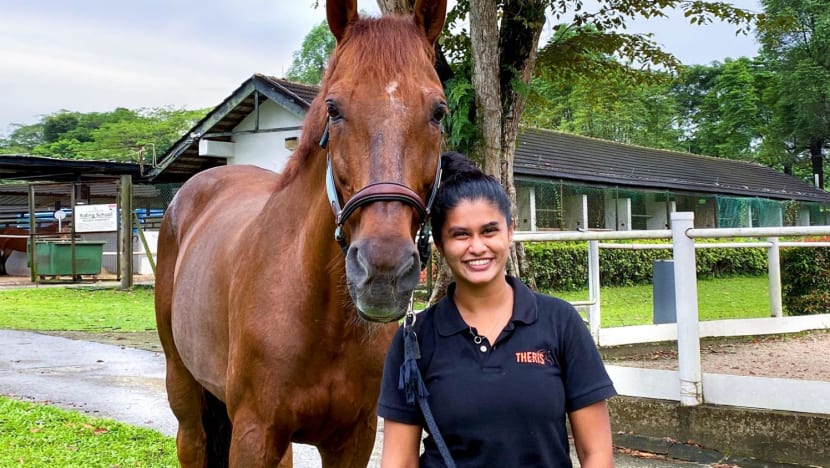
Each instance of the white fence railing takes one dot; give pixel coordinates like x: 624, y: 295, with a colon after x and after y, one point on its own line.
x: 689, y: 385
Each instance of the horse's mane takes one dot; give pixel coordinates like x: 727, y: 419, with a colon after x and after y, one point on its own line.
x: 379, y: 49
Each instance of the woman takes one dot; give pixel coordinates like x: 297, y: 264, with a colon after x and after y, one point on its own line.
x: 503, y: 366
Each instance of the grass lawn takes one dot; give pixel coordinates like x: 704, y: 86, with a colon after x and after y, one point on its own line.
x: 34, y: 435
x: 723, y: 298
x: 85, y: 309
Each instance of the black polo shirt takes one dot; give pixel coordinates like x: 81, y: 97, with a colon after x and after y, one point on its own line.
x: 503, y: 405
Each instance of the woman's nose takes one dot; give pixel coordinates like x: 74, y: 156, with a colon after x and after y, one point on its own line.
x: 476, y: 245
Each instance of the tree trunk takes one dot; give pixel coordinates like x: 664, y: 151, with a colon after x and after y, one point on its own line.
x: 818, y: 161
x: 396, y: 7
x: 522, y: 25
x: 484, y: 33
x: 442, y: 281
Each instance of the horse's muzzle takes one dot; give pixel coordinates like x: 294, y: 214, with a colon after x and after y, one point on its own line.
x: 381, y: 277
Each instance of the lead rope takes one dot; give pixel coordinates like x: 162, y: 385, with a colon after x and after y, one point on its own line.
x: 411, y: 382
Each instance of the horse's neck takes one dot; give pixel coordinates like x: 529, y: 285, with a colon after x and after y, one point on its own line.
x: 301, y: 210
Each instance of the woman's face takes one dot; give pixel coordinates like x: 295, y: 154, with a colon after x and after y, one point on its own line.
x: 475, y: 242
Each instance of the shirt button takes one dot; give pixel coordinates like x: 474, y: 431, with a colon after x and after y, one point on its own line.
x: 483, y: 349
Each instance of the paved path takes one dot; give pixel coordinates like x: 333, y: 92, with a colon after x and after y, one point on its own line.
x: 124, y: 384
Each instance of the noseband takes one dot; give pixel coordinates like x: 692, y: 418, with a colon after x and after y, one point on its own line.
x: 380, y: 191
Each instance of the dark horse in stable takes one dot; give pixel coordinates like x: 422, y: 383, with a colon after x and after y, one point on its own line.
x: 267, y: 326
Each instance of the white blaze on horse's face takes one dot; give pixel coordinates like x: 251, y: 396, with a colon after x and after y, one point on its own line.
x: 395, y: 102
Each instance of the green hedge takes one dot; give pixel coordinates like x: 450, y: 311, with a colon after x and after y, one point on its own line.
x: 563, y: 266
x: 805, y: 280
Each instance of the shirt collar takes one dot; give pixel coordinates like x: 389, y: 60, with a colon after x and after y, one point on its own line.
x: 449, y: 322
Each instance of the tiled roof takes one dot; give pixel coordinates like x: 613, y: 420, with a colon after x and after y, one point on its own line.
x: 305, y: 92
x: 546, y: 153
x: 33, y: 168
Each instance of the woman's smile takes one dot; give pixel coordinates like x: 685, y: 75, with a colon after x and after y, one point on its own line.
x: 479, y: 263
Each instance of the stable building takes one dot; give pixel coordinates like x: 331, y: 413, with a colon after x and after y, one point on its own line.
x: 563, y: 181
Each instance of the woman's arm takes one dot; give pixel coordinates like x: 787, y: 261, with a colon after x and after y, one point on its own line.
x: 591, y: 429
x: 401, y: 445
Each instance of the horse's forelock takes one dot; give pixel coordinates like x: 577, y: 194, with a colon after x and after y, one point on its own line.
x: 384, y: 46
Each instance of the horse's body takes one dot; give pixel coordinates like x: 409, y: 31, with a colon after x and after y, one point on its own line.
x: 252, y: 291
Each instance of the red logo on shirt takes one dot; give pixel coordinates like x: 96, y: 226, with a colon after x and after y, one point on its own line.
x: 540, y: 357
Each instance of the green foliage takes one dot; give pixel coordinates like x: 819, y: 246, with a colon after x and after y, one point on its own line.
x: 87, y: 309
x: 723, y: 112
x: 59, y: 124
x: 309, y: 63
x: 805, y: 280
x: 121, y: 135
x: 461, y: 132
x: 616, y: 107
x: 795, y: 40
x: 563, y: 266
x: 33, y: 435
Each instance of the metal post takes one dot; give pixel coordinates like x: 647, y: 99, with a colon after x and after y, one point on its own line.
x: 776, y: 308
x: 593, y: 289
x: 126, y: 233
x: 32, y: 247
x: 72, y: 202
x: 688, y: 333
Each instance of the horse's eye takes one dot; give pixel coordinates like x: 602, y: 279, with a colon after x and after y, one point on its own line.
x: 333, y: 111
x: 439, y: 112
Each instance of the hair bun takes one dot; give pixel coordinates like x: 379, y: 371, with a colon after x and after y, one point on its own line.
x: 455, y: 165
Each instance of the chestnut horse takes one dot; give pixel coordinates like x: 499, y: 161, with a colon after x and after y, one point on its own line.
x: 264, y: 313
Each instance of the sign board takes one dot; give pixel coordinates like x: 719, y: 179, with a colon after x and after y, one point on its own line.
x: 96, y: 218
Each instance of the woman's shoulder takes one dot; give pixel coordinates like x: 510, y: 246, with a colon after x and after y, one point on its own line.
x: 552, y: 301
x: 425, y: 319
x: 555, y: 309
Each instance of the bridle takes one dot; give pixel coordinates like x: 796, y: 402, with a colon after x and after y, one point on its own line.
x: 380, y: 191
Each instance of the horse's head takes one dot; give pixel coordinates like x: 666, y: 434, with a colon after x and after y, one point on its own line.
x: 383, y: 103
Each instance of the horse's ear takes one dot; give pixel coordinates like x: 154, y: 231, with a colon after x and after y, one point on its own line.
x: 339, y: 13
x: 429, y: 15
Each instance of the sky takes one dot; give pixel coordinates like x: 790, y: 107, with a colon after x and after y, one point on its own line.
x: 97, y: 55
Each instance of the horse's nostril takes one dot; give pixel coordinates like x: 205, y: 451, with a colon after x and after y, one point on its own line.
x: 357, y: 266
x: 408, y: 274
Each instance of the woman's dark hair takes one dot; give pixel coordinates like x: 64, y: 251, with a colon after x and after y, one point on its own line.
x: 462, y: 180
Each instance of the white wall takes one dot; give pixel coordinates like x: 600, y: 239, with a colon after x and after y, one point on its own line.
x: 803, y: 217
x: 618, y: 214
x: 659, y: 216
x: 526, y: 216
x: 267, y: 149
x: 576, y: 212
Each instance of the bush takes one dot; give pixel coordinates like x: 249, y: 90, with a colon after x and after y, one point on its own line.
x: 563, y: 266
x: 805, y: 280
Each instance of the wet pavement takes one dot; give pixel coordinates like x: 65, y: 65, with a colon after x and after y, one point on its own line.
x: 127, y: 385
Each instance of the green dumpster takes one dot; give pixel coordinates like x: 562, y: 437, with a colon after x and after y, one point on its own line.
x: 54, y: 258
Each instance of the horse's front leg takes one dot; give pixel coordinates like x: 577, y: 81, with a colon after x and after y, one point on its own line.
x: 185, y: 396
x: 353, y: 448
x: 258, y: 442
